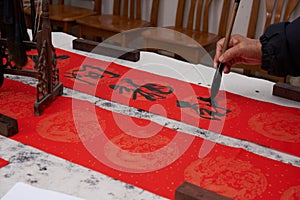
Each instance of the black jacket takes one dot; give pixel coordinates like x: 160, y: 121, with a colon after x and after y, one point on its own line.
x: 281, y: 48
x: 13, y: 28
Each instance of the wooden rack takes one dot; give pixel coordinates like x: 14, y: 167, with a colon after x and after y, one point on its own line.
x: 48, y: 86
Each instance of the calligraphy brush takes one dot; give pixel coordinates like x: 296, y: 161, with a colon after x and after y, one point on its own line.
x: 218, y: 73
x: 207, y: 145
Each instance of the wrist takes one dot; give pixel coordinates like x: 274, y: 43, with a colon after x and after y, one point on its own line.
x: 258, y: 47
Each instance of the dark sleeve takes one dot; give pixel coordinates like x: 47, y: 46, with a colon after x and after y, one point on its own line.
x: 281, y: 48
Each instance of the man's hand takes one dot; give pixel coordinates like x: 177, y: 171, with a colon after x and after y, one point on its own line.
x: 241, y: 50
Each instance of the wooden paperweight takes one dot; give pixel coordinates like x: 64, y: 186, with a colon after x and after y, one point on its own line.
x: 188, y: 191
x: 107, y: 49
x: 8, y: 126
x: 287, y: 91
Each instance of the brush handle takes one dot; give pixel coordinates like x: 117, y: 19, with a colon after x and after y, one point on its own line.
x: 230, y: 26
x: 218, y: 74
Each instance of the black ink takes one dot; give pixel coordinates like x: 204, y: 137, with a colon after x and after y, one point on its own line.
x: 120, y: 88
x: 206, y: 108
x: 212, y: 102
x: 185, y: 104
x: 149, y: 91
x: 129, y: 187
x: 35, y: 59
x: 90, y: 72
x: 107, y: 104
x: 62, y: 57
x: 32, y: 181
x: 92, y: 181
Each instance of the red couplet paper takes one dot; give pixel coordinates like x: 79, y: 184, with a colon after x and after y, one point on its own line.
x: 141, y: 152
x: 232, y: 115
x: 3, y: 162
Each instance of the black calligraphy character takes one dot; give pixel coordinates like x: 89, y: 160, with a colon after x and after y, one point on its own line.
x: 150, y: 91
x: 90, y: 72
x: 35, y: 59
x: 205, y: 108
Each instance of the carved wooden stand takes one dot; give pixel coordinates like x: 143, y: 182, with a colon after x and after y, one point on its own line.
x: 48, y: 87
